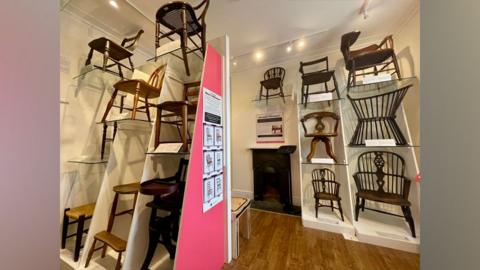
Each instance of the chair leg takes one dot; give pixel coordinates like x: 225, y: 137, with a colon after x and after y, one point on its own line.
x: 357, y: 208
x: 267, y: 95
x: 104, y: 250
x: 131, y: 63
x: 302, y: 94
x: 306, y: 96
x: 106, y: 55
x: 184, y: 127
x: 395, y: 63
x: 409, y: 218
x: 363, y: 205
x: 104, y: 140
x: 147, y: 110
x: 313, y: 148
x: 119, y: 261
x: 261, y: 93
x: 331, y: 205
x: 204, y: 42
x: 89, y: 58
x: 135, y: 102
x: 336, y: 85
x: 183, y: 42
x: 109, y: 105
x: 328, y: 148
x: 78, y: 237
x: 120, y: 70
x: 153, y: 237
x: 65, y: 228
x: 90, y: 253
x: 281, y: 93
x: 158, y: 125
x: 112, y: 213
x: 316, y: 208
x: 340, y: 210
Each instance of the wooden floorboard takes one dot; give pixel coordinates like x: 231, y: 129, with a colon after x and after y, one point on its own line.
x: 281, y: 242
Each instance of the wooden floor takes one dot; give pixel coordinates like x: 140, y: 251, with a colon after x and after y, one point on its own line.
x: 281, y: 242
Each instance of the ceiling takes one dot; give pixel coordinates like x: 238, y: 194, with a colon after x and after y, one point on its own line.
x: 253, y: 25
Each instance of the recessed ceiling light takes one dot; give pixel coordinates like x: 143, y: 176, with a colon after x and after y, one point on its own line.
x: 113, y: 3
x: 258, y: 56
x: 289, y: 48
x: 235, y: 63
x: 301, y: 43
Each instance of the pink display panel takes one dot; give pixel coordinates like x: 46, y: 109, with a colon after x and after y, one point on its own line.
x: 201, y: 243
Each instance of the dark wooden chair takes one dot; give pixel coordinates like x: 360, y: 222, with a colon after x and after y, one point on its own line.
x: 321, y: 76
x: 320, y: 133
x: 139, y: 89
x: 273, y: 81
x: 378, y: 57
x: 167, y: 196
x: 380, y: 178
x: 178, y: 113
x: 114, y: 52
x: 79, y: 215
x: 105, y: 137
x: 180, y: 18
x: 325, y: 188
x: 107, y: 237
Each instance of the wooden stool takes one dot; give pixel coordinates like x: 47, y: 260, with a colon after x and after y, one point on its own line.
x: 106, y: 237
x: 79, y: 215
x: 240, y: 206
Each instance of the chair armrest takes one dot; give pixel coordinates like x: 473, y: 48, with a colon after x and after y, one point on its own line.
x: 134, y: 39
x: 204, y: 12
x: 387, y: 42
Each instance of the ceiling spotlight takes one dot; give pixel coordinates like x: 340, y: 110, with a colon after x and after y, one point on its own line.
x: 301, y: 43
x: 234, y: 63
x: 258, y: 56
x: 113, y: 3
x: 289, y: 48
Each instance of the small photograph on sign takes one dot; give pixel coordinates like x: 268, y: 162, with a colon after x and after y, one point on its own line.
x: 270, y: 128
x: 218, y: 136
x: 218, y: 185
x: 208, y: 136
x: 208, y: 162
x: 218, y: 160
x: 208, y: 189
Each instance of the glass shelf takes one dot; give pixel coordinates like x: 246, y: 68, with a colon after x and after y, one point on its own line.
x: 320, y: 102
x: 393, y: 146
x: 365, y: 90
x: 275, y: 97
x: 168, y: 154
x: 324, y: 163
x: 87, y: 69
x: 80, y: 160
x: 171, y: 52
x: 124, y: 120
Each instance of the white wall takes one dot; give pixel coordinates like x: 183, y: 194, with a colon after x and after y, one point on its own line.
x: 245, y: 88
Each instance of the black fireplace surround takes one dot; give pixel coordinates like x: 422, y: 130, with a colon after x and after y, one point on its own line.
x: 273, y: 163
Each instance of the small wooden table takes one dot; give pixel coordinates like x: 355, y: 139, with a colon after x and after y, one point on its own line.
x: 240, y: 206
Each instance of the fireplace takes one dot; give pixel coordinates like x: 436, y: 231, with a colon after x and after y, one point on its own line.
x: 272, y: 177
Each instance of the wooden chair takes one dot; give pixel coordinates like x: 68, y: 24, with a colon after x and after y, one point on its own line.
x: 79, y: 215
x: 167, y: 196
x: 114, y: 52
x: 322, y: 76
x: 380, y: 178
x: 273, y: 81
x: 320, y: 134
x: 180, y: 111
x: 378, y: 57
x: 140, y: 89
x: 107, y: 237
x: 240, y: 215
x: 326, y: 189
x: 180, y: 18
x: 106, y: 139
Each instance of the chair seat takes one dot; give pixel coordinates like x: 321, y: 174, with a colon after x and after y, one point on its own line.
x: 170, y: 15
x: 367, y: 58
x: 176, y: 106
x: 111, y: 240
x: 115, y: 51
x: 272, y: 83
x: 238, y: 204
x: 389, y: 198
x: 310, y: 135
x: 317, y: 77
x: 157, y: 188
x: 145, y: 89
x: 326, y: 196
x: 131, y: 188
x: 84, y: 210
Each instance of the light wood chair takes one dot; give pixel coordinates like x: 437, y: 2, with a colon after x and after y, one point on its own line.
x: 79, y: 215
x: 240, y: 214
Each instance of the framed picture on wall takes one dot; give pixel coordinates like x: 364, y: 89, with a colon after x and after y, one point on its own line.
x: 269, y: 128
x: 208, y: 189
x: 208, y: 162
x: 218, y: 160
x: 208, y: 136
x: 219, y: 185
x: 218, y: 136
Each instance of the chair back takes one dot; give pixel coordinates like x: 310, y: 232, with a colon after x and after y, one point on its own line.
x: 276, y: 72
x: 381, y: 171
x: 171, y: 15
x: 132, y: 42
x: 347, y: 40
x: 323, y: 180
x: 320, y: 125
x: 318, y: 62
x: 157, y: 76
